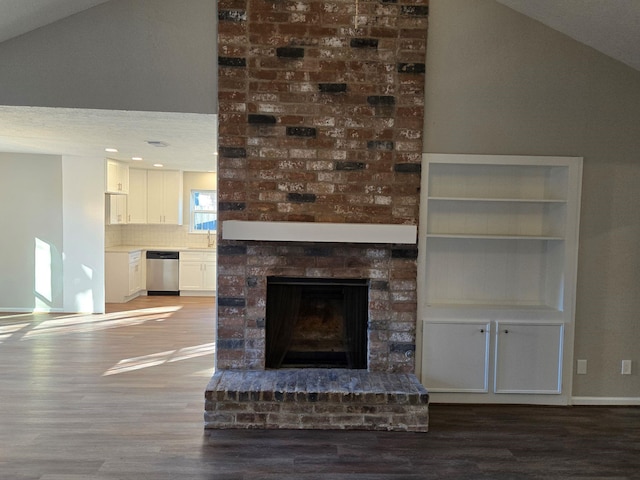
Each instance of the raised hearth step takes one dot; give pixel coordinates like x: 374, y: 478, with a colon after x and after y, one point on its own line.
x: 316, y: 398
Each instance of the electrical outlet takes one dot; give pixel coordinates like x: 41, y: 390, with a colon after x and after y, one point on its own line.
x: 581, y: 368
x: 626, y: 367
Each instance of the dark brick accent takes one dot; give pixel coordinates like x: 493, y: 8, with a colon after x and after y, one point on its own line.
x: 232, y: 250
x: 408, y: 253
x: 232, y: 16
x: 301, y: 132
x: 381, y: 100
x: 380, y: 145
x: 411, y: 68
x: 402, y: 347
x: 261, y: 322
x: 230, y: 344
x: 231, y: 206
x: 290, y: 52
x: 415, y: 10
x: 231, y: 302
x: 332, y: 87
x: 350, y: 166
x: 379, y: 285
x: 407, y: 168
x: 317, y: 252
x: 232, y: 62
x: 232, y: 152
x: 252, y: 282
x: 364, y: 43
x: 254, y: 118
x: 301, y: 197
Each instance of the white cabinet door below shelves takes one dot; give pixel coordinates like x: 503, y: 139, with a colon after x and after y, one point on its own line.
x: 528, y: 358
x: 456, y: 357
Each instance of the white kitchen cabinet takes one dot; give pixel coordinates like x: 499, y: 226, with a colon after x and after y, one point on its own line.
x: 498, y: 247
x: 124, y: 276
x: 137, y: 198
x: 116, y: 209
x: 197, y: 273
x: 117, y: 177
x: 164, y: 197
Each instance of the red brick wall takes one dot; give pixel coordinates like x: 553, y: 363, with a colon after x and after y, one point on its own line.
x: 321, y: 114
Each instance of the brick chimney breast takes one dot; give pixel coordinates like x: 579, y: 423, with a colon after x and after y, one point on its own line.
x: 321, y: 108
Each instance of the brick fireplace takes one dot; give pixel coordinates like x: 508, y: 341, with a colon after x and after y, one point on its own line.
x: 320, y: 122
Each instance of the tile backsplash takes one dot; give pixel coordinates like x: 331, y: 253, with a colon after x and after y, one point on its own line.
x: 154, y: 235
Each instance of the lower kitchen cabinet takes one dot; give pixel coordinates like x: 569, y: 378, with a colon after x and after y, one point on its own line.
x: 124, y: 276
x: 492, y: 361
x: 197, y: 273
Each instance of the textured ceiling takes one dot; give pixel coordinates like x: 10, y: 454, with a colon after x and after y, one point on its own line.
x: 22, y: 16
x: 190, y: 138
x: 610, y: 26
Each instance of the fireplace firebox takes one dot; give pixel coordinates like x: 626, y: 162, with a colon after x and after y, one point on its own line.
x: 316, y: 323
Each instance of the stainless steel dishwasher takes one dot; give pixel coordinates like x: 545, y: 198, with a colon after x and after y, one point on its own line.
x: 162, y: 273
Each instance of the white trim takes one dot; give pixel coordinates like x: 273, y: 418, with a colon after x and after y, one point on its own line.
x: 32, y: 310
x: 319, y: 232
x: 631, y: 401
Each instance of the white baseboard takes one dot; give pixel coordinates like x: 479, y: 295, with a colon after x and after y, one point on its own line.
x: 622, y: 401
x: 31, y: 310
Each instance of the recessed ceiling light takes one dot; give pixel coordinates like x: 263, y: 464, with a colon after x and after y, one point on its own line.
x: 158, y: 165
x: 136, y: 158
x: 111, y: 150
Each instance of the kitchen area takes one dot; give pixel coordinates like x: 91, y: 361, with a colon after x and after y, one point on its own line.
x: 160, y: 232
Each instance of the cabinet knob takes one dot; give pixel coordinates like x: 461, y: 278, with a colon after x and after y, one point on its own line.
x: 506, y: 331
x: 482, y: 330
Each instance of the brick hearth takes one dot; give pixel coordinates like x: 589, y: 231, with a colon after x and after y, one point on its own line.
x: 316, y: 399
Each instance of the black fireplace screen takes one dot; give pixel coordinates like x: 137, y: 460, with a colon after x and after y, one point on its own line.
x: 316, y: 323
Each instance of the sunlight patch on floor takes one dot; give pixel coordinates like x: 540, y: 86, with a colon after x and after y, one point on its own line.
x: 154, y: 359
x: 82, y: 323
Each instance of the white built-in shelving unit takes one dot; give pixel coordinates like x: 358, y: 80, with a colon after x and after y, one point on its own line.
x: 497, y: 268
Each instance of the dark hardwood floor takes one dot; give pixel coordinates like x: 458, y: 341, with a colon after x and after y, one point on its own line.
x: 120, y: 396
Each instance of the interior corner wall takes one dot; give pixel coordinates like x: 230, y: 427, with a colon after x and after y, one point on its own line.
x: 83, y: 181
x: 31, y: 254
x: 144, y: 55
x: 499, y: 82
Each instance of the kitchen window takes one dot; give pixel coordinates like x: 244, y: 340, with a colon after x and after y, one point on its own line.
x: 203, y: 211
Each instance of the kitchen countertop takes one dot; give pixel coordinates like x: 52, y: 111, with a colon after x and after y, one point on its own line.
x: 158, y: 248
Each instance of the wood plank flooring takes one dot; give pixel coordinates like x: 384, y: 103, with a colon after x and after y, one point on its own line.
x: 120, y: 396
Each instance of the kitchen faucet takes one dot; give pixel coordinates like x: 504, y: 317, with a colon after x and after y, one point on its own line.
x: 209, y: 240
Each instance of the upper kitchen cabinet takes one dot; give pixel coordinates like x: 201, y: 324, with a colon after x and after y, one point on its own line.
x: 117, y: 177
x: 164, y: 197
x: 137, y: 201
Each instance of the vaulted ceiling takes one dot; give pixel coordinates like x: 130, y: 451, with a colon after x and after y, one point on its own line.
x: 609, y: 26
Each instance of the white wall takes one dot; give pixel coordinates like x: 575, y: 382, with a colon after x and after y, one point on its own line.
x: 145, y: 55
x: 83, y: 232
x: 501, y: 83
x: 31, y: 245
x: 52, y: 247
